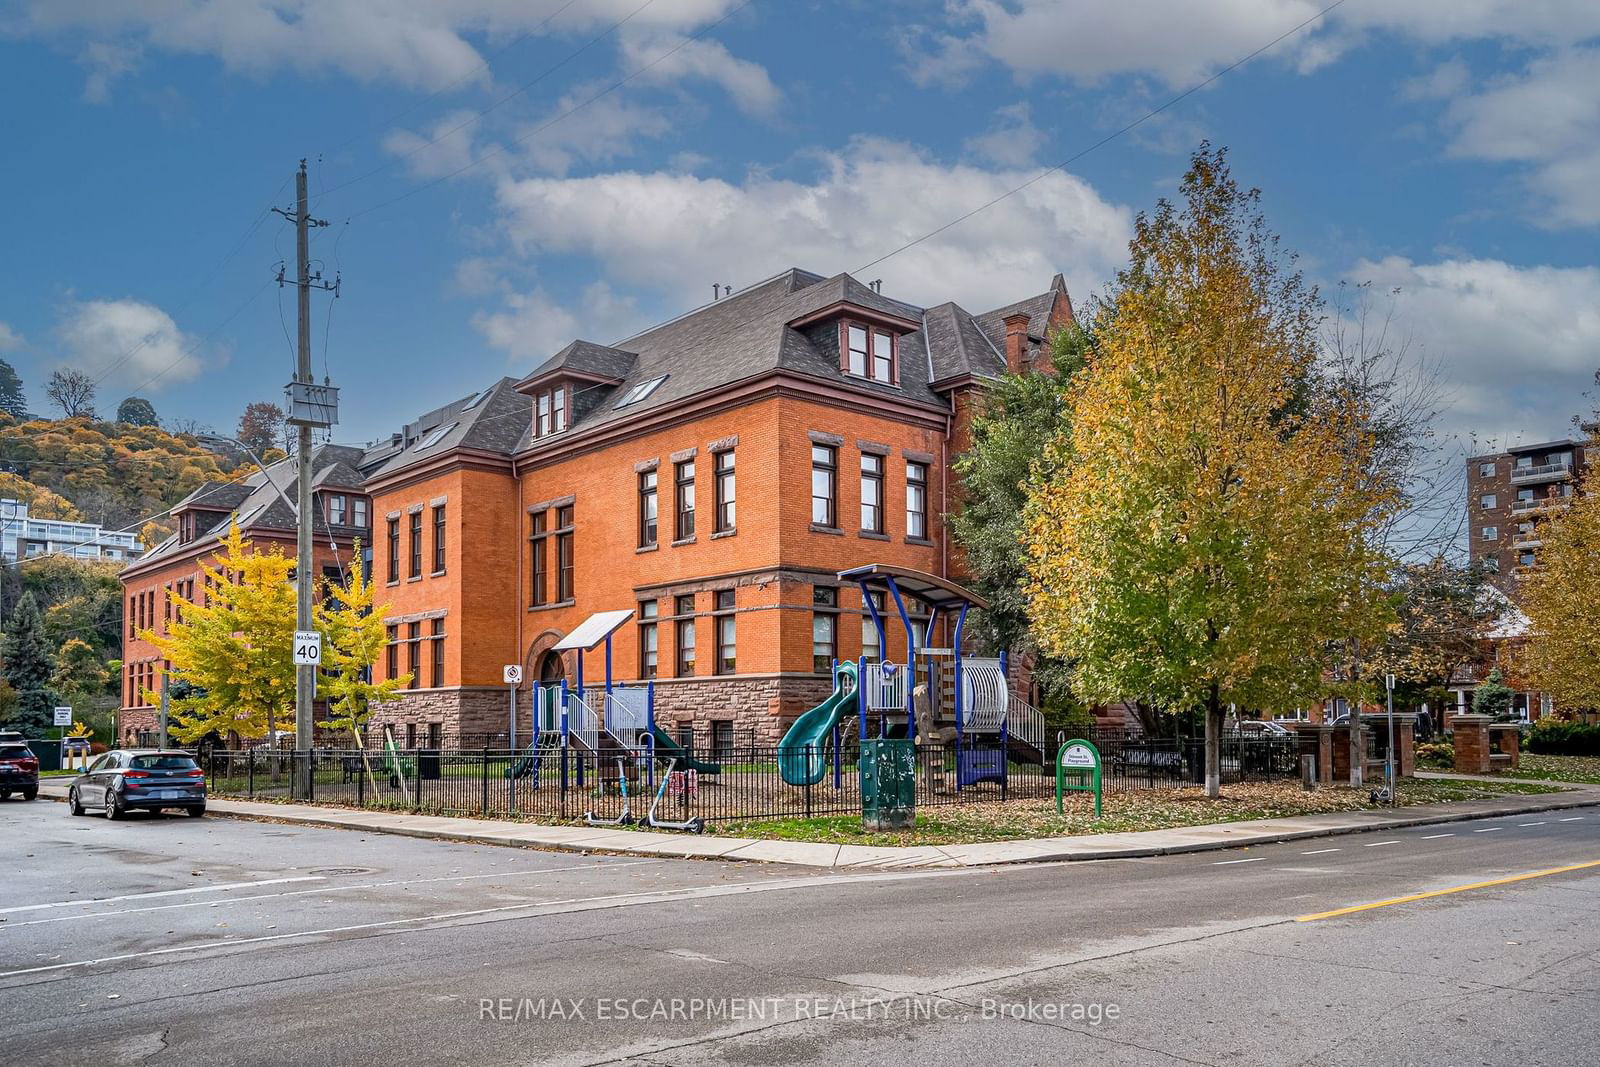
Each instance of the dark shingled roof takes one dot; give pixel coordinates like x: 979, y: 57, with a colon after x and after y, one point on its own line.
x: 741, y: 337
x: 254, y: 501
x: 491, y: 421
x: 586, y: 357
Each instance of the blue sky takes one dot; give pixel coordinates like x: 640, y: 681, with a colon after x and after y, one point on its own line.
x: 1446, y: 148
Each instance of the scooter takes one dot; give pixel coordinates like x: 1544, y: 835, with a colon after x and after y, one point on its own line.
x: 696, y: 825
x: 626, y: 818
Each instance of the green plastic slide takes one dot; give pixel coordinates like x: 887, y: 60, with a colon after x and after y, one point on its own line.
x: 803, y: 752
x: 667, y: 748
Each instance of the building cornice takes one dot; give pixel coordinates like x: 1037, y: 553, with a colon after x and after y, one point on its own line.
x: 768, y: 385
x: 447, y: 462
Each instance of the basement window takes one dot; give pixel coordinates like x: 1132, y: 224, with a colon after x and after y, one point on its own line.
x: 639, y: 392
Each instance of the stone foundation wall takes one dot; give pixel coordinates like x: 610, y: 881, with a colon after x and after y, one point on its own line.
x: 761, y: 709
x: 463, y: 715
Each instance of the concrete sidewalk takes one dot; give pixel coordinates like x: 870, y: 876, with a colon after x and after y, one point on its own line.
x: 865, y: 857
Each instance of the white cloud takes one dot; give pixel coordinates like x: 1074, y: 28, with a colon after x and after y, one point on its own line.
x: 676, y: 233
x: 106, y: 61
x: 10, y: 340
x: 1547, y: 116
x: 1517, y: 346
x: 1448, y: 79
x: 1181, y: 42
x: 533, y: 326
x: 96, y: 335
x: 746, y: 82
x: 443, y: 148
x: 1012, y: 140
x: 418, y: 45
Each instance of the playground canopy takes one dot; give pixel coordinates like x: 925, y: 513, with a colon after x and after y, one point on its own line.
x: 593, y: 630
x: 936, y: 592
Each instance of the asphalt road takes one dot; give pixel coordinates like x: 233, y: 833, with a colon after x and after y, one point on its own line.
x: 212, y: 942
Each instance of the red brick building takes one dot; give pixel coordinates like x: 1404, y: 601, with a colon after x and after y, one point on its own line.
x: 713, y: 474
x: 267, y: 519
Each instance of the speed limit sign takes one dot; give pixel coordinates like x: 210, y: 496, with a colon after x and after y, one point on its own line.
x: 307, y: 648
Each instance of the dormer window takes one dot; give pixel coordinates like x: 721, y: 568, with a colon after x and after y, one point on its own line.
x: 550, y: 407
x: 868, y: 352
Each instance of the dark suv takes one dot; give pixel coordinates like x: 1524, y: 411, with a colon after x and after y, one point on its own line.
x: 19, y: 771
x: 147, y: 778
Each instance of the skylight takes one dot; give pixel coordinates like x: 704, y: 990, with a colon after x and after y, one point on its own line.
x: 435, y: 437
x: 475, y: 401
x: 640, y: 391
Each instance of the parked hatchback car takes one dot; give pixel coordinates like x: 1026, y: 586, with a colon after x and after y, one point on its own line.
x: 19, y: 770
x: 149, y: 779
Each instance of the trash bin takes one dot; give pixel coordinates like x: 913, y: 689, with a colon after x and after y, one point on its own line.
x: 888, y: 783
x: 428, y: 764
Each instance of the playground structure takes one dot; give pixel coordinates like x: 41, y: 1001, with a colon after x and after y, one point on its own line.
x: 614, y: 724
x: 987, y: 724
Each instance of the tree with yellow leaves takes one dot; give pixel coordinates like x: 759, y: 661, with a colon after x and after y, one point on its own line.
x: 233, y: 650
x: 1207, y: 532
x: 354, y: 633
x: 1558, y: 596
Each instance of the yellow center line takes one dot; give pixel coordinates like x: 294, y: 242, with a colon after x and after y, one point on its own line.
x: 1446, y: 892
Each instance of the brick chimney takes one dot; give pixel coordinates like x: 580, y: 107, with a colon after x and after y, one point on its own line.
x: 1016, y: 342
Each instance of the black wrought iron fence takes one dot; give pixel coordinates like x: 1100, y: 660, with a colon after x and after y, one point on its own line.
x: 742, y: 782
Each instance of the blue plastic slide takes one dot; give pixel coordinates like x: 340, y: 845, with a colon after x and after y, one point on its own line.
x: 803, y: 752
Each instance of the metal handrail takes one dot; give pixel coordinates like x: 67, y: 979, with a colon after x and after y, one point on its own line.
x: 1025, y: 723
x: 583, y: 725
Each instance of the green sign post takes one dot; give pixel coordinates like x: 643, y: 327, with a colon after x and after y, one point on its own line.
x: 1078, y: 771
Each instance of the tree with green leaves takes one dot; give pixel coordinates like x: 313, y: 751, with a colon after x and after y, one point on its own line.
x: 235, y: 649
x: 137, y: 411
x: 1018, y: 412
x: 1209, y: 531
x: 13, y: 401
x: 354, y: 632
x: 1493, y: 696
x: 27, y: 662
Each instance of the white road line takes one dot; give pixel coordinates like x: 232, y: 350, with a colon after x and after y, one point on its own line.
x: 1435, y: 837
x: 322, y: 890
x: 1573, y: 818
x: 1375, y: 844
x: 1539, y: 823
x: 1488, y: 829
x: 1224, y: 863
x: 1319, y: 851
x: 615, y: 900
x: 222, y: 887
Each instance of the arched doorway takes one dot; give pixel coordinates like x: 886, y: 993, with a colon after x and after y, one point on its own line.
x: 551, y: 669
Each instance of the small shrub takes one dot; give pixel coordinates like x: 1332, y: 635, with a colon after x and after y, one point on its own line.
x: 1559, y: 737
x: 1436, y: 754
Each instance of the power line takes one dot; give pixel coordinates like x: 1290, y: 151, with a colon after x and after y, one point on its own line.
x: 255, y: 224
x: 1236, y: 64
x: 1147, y: 116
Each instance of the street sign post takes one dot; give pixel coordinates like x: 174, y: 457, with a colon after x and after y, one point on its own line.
x: 512, y: 673
x: 63, y: 716
x: 307, y: 648
x: 1078, y: 771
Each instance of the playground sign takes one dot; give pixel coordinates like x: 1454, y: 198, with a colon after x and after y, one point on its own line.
x: 1078, y: 770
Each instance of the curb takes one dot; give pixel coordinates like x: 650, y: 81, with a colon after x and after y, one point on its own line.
x: 1038, y: 850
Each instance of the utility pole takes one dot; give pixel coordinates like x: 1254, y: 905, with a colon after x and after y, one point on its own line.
x: 310, y: 406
